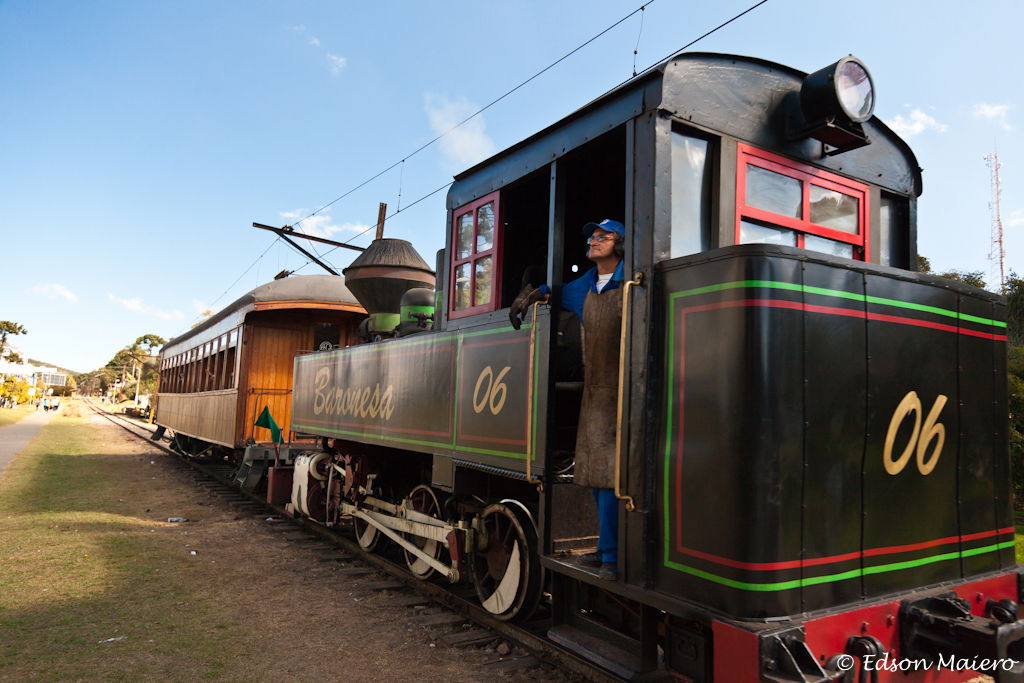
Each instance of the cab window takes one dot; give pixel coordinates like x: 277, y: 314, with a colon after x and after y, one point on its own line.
x: 779, y: 201
x: 476, y: 238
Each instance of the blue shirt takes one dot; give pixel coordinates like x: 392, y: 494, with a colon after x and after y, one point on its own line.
x: 574, y: 293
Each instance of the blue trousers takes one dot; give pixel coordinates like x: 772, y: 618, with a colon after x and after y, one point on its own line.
x: 608, y: 524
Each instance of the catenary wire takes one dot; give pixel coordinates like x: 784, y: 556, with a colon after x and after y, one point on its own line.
x: 477, y: 112
x: 488, y: 106
x: 409, y: 206
x: 251, y: 265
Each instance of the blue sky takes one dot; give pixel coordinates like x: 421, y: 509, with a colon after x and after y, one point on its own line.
x: 140, y: 140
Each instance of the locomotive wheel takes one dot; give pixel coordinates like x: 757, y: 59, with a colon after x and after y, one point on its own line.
x: 367, y: 535
x: 507, y: 573
x: 424, y: 500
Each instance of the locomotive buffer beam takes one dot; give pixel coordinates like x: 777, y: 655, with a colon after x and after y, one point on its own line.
x: 416, y: 524
x: 942, y: 627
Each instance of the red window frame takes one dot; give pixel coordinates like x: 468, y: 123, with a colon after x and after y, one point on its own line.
x: 807, y: 175
x: 474, y: 256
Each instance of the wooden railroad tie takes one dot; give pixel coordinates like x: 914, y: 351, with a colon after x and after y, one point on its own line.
x: 476, y: 636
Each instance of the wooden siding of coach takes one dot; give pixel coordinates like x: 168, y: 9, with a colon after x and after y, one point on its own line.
x: 269, y: 345
x: 223, y: 416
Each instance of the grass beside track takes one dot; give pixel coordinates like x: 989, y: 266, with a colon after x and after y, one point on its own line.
x: 11, y: 415
x: 82, y: 563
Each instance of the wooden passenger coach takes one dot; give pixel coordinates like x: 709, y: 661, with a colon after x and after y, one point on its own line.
x: 217, y: 377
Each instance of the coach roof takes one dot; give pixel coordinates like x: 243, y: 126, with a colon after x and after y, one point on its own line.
x: 297, y: 291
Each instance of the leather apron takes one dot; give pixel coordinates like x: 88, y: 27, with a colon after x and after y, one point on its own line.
x: 595, y: 438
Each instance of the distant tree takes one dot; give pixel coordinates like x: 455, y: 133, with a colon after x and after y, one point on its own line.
x: 149, y: 343
x: 1015, y: 308
x: 923, y: 264
x: 974, y: 278
x: 15, y: 357
x: 1015, y: 404
x: 9, y: 328
x: 14, y: 388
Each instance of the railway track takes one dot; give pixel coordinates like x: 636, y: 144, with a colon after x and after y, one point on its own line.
x: 458, y: 607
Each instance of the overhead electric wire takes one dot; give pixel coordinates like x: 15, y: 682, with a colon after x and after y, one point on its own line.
x: 258, y: 258
x: 479, y: 111
x: 696, y: 40
x: 386, y: 218
x: 490, y: 104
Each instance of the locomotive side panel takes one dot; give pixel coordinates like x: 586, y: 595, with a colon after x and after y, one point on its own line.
x: 977, y: 439
x: 813, y: 447
x: 835, y: 357
x: 909, y: 483
x: 733, y: 450
x: 471, y: 393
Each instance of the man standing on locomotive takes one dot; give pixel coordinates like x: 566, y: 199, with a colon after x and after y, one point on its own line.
x: 596, y: 299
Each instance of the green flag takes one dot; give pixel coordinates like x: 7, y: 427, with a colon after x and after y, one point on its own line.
x: 266, y: 420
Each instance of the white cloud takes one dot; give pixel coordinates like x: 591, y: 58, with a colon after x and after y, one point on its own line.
x: 1016, y: 219
x: 337, y: 63
x: 322, y: 225
x: 314, y: 41
x: 298, y: 28
x: 999, y: 113
x: 916, y: 122
x: 54, y: 291
x: 465, y: 145
x: 137, y: 305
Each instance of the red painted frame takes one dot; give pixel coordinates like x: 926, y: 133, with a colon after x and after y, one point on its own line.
x: 494, y: 252
x: 807, y: 175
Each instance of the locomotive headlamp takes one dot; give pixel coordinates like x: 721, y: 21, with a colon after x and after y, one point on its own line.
x: 855, y: 89
x: 835, y: 101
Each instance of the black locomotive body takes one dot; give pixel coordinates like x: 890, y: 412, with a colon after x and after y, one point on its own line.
x: 812, y: 456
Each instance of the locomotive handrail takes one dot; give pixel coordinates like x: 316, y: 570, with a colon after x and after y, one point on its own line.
x: 529, y: 392
x: 630, y: 504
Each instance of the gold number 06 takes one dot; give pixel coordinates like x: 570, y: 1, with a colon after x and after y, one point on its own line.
x: 919, y: 439
x: 495, y: 394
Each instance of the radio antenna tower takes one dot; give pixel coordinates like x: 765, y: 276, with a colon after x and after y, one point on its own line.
x: 997, y: 253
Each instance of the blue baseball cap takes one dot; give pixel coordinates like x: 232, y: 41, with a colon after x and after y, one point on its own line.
x: 607, y: 224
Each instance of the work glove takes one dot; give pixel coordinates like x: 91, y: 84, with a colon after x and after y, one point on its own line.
x: 521, y: 305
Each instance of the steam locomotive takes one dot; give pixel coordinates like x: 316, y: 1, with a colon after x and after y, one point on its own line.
x: 811, y: 453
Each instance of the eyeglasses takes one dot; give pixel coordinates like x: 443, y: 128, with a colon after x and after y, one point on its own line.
x: 600, y: 238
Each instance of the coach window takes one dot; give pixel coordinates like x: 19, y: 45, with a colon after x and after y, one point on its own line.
x: 231, y: 359
x: 779, y: 201
x: 691, y: 195
x: 476, y: 239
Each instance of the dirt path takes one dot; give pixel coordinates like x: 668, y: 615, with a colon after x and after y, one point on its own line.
x: 15, y: 436
x: 264, y: 607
